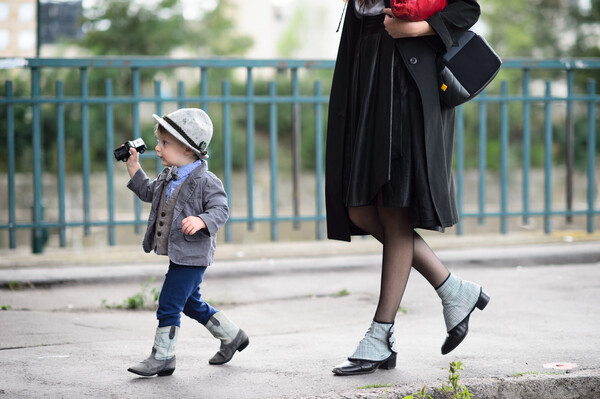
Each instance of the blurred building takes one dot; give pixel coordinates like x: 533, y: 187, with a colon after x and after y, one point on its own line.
x: 18, y: 24
x: 18, y: 28
x: 60, y: 20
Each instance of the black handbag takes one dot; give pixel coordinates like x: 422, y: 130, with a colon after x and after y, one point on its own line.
x: 466, y: 69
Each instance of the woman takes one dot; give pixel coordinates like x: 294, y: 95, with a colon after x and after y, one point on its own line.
x: 389, y: 159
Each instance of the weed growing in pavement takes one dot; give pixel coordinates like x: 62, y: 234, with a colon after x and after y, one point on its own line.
x: 5, y: 307
x: 422, y: 394
x: 341, y: 293
x: 455, y: 390
x: 146, y: 298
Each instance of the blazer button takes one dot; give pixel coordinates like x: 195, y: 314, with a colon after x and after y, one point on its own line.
x: 161, y: 223
x: 159, y: 234
x: 413, y: 60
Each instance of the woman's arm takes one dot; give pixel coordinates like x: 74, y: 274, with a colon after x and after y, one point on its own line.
x: 457, y: 17
x: 398, y: 28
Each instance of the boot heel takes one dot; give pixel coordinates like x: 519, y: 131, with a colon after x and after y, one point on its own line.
x: 243, y: 345
x: 482, y: 301
x: 165, y: 373
x: 389, y: 363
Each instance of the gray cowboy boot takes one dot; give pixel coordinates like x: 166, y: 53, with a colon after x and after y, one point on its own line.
x: 377, y: 350
x: 232, y: 338
x: 459, y: 299
x: 162, y: 359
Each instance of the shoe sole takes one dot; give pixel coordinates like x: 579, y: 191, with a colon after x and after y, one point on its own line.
x: 387, y: 364
x: 162, y: 373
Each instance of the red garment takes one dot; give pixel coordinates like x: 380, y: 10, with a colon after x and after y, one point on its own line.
x: 416, y: 10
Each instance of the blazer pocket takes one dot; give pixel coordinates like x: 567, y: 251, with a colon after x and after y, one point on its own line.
x: 197, y: 236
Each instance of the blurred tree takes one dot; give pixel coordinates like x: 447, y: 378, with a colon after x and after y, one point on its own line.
x: 116, y: 27
x: 543, y: 28
x: 585, y: 21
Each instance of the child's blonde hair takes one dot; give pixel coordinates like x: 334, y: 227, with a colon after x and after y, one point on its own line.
x: 160, y: 130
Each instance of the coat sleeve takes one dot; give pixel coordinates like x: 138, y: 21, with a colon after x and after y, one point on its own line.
x: 457, y: 17
x: 216, y: 210
x: 142, y: 186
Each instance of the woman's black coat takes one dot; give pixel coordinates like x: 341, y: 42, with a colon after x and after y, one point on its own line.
x: 420, y: 57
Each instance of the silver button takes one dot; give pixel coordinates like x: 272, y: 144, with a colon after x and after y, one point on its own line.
x: 413, y: 60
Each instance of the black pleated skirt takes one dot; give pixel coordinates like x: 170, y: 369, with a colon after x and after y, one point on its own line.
x: 385, y: 145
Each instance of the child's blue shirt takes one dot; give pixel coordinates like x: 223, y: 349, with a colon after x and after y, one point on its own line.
x: 182, y: 173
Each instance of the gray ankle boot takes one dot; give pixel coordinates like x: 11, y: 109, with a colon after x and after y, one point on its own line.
x: 377, y: 350
x: 459, y: 299
x: 162, y: 359
x: 232, y: 337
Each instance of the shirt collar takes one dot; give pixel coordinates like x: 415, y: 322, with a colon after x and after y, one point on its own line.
x: 185, y: 170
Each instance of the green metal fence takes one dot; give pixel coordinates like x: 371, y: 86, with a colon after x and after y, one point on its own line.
x: 533, y: 109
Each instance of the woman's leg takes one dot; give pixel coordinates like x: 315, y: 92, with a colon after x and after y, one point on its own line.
x: 424, y: 259
x: 397, y: 260
x: 377, y: 348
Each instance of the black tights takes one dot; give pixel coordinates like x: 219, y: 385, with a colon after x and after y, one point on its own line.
x: 402, y: 248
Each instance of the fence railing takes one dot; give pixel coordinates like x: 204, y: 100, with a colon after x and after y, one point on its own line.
x: 536, y: 119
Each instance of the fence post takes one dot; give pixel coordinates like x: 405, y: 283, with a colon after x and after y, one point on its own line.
x: 548, y: 159
x: 504, y: 158
x: 296, y: 145
x: 273, y: 158
x: 110, y: 162
x: 569, y: 146
x: 60, y: 116
x: 85, y: 132
x: 526, y: 145
x: 10, y: 136
x: 319, y: 159
x: 39, y: 235
x: 591, y: 155
x: 227, y: 152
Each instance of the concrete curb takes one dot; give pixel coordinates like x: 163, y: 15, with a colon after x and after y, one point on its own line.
x: 570, y: 385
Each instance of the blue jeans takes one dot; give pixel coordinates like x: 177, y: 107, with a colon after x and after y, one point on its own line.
x: 181, y: 293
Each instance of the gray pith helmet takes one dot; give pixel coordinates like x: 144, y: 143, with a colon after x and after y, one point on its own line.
x: 191, y: 126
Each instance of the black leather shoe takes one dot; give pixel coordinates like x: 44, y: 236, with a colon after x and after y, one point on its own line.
x: 359, y: 366
x: 458, y: 333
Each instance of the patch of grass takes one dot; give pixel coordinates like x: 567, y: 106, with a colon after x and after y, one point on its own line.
x: 341, y: 293
x: 402, y: 310
x: 14, y: 285
x: 376, y: 386
x: 145, y: 299
x: 536, y: 373
x: 5, y: 307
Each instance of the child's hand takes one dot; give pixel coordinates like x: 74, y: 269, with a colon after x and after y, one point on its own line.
x: 192, y: 224
x: 133, y: 163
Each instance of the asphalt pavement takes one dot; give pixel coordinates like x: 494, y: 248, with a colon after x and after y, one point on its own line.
x: 305, y: 306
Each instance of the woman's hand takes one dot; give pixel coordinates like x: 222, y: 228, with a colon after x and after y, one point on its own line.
x: 192, y: 224
x: 398, y: 28
x: 133, y: 163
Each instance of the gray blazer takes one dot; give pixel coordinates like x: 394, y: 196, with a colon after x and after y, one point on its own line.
x: 201, y: 194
